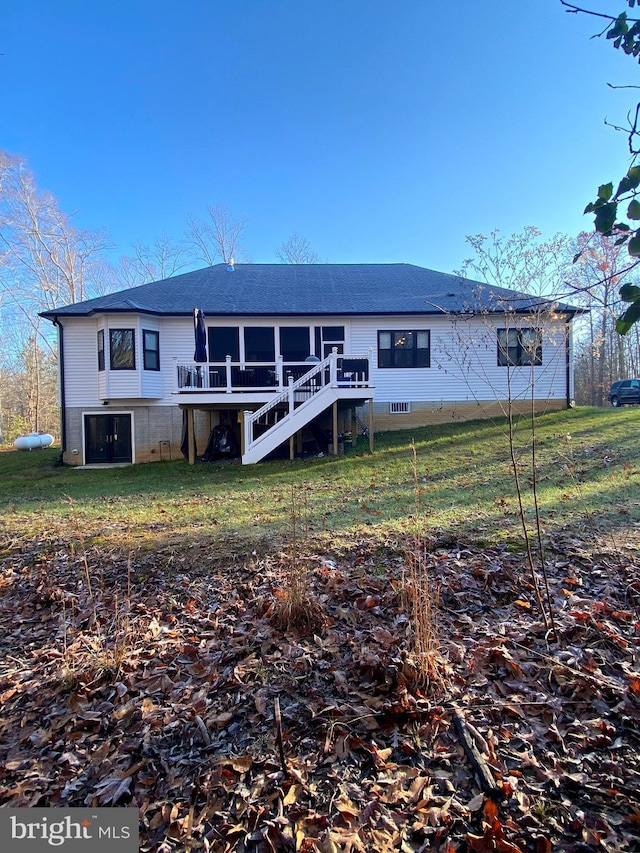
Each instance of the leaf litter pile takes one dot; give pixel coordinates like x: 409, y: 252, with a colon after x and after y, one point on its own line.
x: 166, y: 681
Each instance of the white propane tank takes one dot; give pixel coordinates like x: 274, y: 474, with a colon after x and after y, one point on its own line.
x: 29, y: 442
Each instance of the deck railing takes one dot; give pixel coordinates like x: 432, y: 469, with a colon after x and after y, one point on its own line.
x: 241, y: 377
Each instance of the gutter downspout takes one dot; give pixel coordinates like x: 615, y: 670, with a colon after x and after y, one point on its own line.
x: 568, y: 361
x: 63, y: 407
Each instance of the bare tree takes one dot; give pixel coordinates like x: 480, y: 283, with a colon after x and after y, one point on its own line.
x: 522, y: 388
x: 296, y: 250
x: 522, y: 262
x: 161, y: 260
x: 587, y: 271
x: 216, y: 238
x: 28, y: 384
x: 601, y: 268
x: 45, y: 262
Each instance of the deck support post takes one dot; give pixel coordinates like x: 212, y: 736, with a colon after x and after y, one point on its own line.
x: 292, y: 447
x: 334, y: 413
x: 242, y: 418
x: 191, y: 437
x: 370, y: 424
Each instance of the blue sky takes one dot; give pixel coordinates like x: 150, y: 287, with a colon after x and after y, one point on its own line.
x: 381, y: 131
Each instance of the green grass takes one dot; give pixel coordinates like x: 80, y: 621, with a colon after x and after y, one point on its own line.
x: 588, y: 483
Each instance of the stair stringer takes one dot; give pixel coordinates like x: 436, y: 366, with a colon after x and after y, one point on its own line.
x: 289, y: 425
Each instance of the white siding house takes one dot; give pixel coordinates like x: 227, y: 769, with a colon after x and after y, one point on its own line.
x: 297, y: 356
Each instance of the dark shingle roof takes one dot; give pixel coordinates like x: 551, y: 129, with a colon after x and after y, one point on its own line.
x: 300, y: 289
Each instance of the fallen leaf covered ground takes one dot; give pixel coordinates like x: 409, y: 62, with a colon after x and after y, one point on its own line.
x: 155, y: 680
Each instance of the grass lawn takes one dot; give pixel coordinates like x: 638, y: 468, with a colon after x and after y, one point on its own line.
x: 587, y: 464
x: 142, y: 661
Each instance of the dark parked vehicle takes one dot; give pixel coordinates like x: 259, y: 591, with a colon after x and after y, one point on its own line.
x: 624, y: 391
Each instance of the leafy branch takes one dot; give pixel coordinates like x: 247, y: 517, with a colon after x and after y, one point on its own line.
x: 610, y: 216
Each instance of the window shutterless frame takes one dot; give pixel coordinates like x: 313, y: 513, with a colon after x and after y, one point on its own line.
x: 122, y: 349
x: 259, y: 343
x: 150, y: 349
x: 519, y: 347
x: 295, y: 343
x: 224, y: 341
x: 404, y: 348
x: 100, y: 349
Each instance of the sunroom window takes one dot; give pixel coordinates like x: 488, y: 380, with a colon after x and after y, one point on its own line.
x: 224, y: 341
x: 259, y: 343
x: 295, y: 343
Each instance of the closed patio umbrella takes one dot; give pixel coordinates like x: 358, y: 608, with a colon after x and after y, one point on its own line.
x: 200, y: 335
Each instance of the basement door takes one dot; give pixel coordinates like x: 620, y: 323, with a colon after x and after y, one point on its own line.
x: 107, y: 439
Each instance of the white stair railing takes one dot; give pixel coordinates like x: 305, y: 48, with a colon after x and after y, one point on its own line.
x: 310, y: 383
